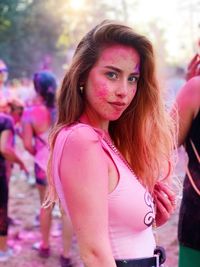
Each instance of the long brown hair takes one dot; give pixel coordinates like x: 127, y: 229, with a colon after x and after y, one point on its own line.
x: 144, y: 132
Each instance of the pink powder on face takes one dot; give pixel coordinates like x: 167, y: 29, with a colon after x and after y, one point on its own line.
x: 109, y: 95
x: 101, y: 87
x: 102, y: 90
x: 113, y: 56
x: 137, y: 68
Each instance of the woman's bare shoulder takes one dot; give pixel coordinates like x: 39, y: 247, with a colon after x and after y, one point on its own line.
x: 189, y: 95
x: 192, y: 87
x: 78, y: 134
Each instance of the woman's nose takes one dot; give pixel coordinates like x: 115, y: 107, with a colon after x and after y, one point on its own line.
x: 122, y: 88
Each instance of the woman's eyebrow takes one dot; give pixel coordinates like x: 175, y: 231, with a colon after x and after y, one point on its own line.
x: 135, y: 72
x: 113, y: 68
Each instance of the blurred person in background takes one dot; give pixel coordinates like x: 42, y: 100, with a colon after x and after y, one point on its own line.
x: 36, y: 124
x: 26, y: 91
x: 188, y: 106
x: 4, y: 93
x: 110, y: 146
x: 8, y: 90
x: 16, y: 107
x: 8, y: 156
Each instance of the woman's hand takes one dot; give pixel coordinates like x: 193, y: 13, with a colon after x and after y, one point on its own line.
x: 193, y: 67
x: 165, y: 201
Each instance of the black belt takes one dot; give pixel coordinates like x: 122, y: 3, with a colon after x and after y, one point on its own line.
x: 143, y: 262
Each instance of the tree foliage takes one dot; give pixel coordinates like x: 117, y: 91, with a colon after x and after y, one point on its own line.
x: 32, y: 31
x: 29, y: 31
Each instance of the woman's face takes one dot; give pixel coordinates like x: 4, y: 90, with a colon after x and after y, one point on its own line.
x: 111, y: 83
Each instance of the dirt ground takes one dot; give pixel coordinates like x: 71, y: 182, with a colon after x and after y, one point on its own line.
x: 23, y: 207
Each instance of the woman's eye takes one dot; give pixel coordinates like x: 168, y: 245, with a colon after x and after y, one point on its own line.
x: 111, y: 75
x: 133, y: 79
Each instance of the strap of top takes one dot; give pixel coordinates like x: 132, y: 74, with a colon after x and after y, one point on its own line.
x: 195, y: 150
x: 188, y: 171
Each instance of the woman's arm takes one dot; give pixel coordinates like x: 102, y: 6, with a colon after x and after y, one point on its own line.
x: 27, y: 133
x: 7, y: 149
x: 84, y: 177
x: 187, y: 104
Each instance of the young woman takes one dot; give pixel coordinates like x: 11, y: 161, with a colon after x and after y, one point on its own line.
x: 8, y: 156
x: 111, y: 144
x: 36, y: 123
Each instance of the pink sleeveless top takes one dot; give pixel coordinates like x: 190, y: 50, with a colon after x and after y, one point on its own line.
x: 131, y: 209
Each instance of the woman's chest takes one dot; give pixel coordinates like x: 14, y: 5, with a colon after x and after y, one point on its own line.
x: 130, y: 204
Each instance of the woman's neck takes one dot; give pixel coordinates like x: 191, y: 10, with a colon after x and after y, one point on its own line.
x: 38, y: 101
x: 103, y: 126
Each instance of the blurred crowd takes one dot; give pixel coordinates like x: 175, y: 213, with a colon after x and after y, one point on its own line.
x: 27, y: 113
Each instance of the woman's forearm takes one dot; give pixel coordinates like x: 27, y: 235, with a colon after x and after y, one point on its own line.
x: 10, y: 154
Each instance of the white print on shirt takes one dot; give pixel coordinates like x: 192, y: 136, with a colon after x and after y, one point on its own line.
x: 150, y: 216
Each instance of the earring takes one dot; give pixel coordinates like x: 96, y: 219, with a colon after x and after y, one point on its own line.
x: 81, y: 89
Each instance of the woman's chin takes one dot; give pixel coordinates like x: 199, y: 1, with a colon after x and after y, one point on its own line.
x: 114, y: 118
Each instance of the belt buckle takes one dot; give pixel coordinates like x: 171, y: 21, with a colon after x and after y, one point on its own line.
x: 157, y: 260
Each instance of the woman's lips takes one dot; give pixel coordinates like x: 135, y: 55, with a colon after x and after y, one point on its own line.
x: 118, y: 105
